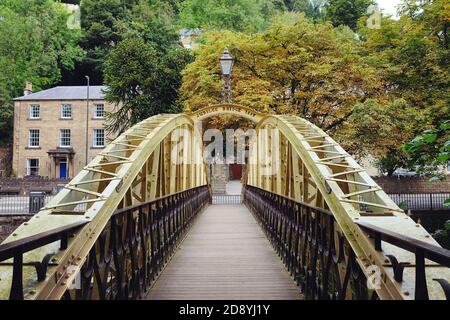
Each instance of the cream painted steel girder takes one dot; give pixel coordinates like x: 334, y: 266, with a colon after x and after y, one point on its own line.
x: 127, y: 172
x: 139, y: 166
x: 324, y: 175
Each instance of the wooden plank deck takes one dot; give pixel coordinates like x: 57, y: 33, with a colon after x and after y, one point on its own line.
x: 225, y: 256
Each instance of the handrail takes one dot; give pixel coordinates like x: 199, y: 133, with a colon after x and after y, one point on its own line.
x: 144, y: 204
x: 422, y: 250
x: 303, y: 204
x: 24, y: 245
x: 432, y: 252
x: 16, y: 249
x: 294, y: 231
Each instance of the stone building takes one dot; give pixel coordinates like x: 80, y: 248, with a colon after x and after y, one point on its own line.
x: 55, y: 128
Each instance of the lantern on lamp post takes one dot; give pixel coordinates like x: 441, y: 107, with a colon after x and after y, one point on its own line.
x: 226, y: 66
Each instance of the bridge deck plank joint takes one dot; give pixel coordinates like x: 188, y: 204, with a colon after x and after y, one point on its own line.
x: 225, y: 256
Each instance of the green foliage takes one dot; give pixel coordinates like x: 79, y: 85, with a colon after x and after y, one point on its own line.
x: 6, y: 116
x: 431, y: 149
x: 296, y: 66
x: 107, y: 22
x: 345, y: 12
x: 311, y: 8
x: 35, y: 45
x: 413, y: 56
x: 379, y: 129
x: 142, y: 81
x: 237, y: 15
x: 443, y: 235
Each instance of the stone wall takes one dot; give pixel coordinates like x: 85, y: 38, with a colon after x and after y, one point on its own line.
x: 22, y: 186
x: 412, y: 185
x: 9, y: 223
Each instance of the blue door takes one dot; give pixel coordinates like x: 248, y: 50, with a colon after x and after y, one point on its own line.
x: 63, y: 170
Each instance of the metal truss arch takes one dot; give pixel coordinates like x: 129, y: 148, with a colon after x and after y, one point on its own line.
x: 314, y: 169
x: 138, y: 166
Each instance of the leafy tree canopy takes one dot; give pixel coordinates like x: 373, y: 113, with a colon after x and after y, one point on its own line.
x: 311, y: 8
x: 35, y: 45
x: 312, y: 70
x: 107, y: 22
x: 346, y: 12
x: 413, y: 55
x: 142, y: 82
x: 237, y: 15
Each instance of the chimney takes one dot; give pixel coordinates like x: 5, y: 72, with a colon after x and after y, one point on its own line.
x: 28, y: 88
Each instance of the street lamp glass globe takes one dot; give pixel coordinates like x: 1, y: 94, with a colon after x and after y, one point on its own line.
x: 226, y: 63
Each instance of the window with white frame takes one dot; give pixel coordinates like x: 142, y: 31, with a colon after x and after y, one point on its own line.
x: 64, y: 138
x: 99, y: 138
x: 35, y: 111
x: 33, y: 138
x: 32, y: 167
x: 99, y: 111
x: 66, y: 111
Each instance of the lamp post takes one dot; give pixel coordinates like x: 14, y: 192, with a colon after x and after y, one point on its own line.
x: 87, y: 118
x: 226, y: 65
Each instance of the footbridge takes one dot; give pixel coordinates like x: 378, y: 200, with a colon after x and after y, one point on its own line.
x: 138, y: 223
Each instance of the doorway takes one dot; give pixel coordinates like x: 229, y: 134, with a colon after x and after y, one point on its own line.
x: 235, y: 171
x: 63, y: 168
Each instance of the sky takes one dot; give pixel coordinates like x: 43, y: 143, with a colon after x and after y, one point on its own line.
x: 389, y: 6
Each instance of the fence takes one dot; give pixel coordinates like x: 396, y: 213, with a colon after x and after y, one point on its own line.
x: 10, y: 204
x: 421, y: 201
x: 226, y: 199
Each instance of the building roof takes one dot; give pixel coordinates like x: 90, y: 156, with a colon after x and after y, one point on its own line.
x: 66, y: 93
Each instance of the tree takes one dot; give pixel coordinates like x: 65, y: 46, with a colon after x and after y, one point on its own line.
x: 412, y: 55
x: 311, y: 8
x: 237, y: 15
x: 102, y: 30
x: 142, y: 81
x: 296, y: 66
x: 107, y: 22
x: 378, y: 129
x: 6, y: 117
x: 346, y: 12
x: 35, y: 45
x: 431, y: 150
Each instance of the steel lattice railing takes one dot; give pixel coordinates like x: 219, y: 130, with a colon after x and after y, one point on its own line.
x: 320, y: 258
x: 129, y: 253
